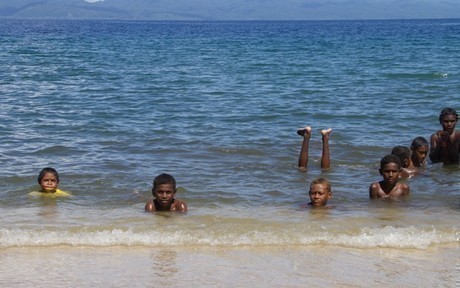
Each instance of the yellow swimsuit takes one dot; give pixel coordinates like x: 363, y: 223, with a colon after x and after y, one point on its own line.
x: 58, y: 193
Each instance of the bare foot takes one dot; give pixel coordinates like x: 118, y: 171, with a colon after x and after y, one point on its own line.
x: 326, y: 132
x: 305, y: 130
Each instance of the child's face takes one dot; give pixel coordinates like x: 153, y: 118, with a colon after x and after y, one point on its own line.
x: 49, y: 183
x: 448, y: 123
x: 420, y: 153
x: 164, y: 194
x: 390, y: 172
x: 319, y: 195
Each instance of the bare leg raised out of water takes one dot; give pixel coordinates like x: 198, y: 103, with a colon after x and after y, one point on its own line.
x: 326, y: 156
x: 304, y: 154
x: 303, y: 157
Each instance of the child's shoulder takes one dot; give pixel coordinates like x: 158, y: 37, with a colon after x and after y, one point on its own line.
x: 58, y: 193
x: 402, y: 188
x: 180, y: 205
x: 376, y: 184
x: 401, y: 184
x: 61, y: 193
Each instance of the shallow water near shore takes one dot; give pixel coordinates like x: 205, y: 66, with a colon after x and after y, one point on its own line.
x: 267, y: 266
x: 111, y: 104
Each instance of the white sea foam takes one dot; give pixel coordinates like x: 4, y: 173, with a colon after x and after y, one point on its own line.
x: 389, y: 236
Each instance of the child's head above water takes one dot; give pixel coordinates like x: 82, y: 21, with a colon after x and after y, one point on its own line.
x: 48, y: 179
x: 390, y: 168
x: 419, y: 150
x: 418, y: 142
x: 164, y: 179
x: 448, y: 119
x: 164, y: 191
x: 403, y: 153
x: 447, y: 112
x: 389, y: 187
x: 390, y: 158
x: 320, y: 192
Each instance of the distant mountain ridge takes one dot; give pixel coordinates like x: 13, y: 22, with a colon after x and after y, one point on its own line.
x: 75, y: 9
x: 228, y: 10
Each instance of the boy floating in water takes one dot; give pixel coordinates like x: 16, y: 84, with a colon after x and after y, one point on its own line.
x: 320, y: 192
x: 48, y: 179
x: 389, y: 187
x: 445, y: 144
x: 164, y: 190
x: 303, y: 157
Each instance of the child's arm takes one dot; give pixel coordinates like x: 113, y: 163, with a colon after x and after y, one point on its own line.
x: 454, y: 147
x: 374, y: 189
x: 180, y: 206
x: 434, y: 148
x: 444, y: 148
x: 150, y: 206
x: 405, y: 189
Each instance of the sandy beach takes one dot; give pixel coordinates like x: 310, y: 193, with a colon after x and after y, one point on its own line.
x: 229, y: 267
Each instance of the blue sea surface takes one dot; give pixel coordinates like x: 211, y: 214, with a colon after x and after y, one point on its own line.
x: 112, y: 104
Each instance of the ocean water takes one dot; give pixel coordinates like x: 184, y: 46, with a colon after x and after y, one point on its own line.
x: 112, y: 104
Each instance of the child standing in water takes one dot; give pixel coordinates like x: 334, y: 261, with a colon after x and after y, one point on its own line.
x: 164, y: 190
x: 389, y: 187
x: 48, y: 179
x: 325, y: 156
x: 445, y: 144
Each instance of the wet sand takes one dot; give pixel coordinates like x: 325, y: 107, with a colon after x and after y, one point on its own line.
x: 229, y: 267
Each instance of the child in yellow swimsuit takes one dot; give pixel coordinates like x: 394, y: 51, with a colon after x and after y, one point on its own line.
x: 48, y: 179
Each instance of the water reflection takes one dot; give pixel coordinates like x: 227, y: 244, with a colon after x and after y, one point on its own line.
x: 164, y: 267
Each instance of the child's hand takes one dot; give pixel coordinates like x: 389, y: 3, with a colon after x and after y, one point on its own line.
x: 444, y: 136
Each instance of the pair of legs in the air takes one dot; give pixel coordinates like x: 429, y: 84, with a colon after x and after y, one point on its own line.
x: 303, y: 157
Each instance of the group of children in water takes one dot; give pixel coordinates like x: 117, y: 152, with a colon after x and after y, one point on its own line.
x: 403, y: 162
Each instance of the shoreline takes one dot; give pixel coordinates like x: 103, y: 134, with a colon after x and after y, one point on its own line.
x: 239, y: 267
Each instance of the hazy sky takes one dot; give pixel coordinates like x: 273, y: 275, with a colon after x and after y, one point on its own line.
x: 305, y: 9
x: 233, y: 9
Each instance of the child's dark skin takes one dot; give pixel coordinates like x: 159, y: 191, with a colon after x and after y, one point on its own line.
x: 164, y: 200
x: 445, y: 143
x: 164, y: 190
x: 389, y: 187
x: 304, y: 154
